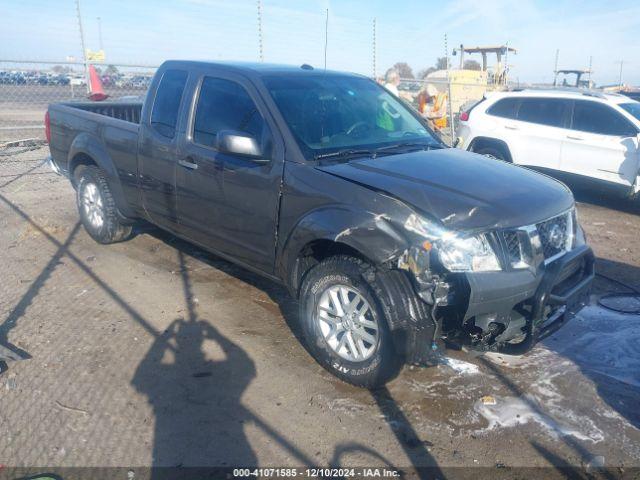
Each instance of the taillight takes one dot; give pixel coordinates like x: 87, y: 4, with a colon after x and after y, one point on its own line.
x: 464, y: 116
x: 47, y: 127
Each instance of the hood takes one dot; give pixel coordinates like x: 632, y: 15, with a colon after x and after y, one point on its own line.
x: 463, y: 190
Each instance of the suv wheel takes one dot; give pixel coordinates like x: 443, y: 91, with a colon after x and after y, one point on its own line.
x: 97, y: 208
x: 493, y: 153
x: 343, y: 325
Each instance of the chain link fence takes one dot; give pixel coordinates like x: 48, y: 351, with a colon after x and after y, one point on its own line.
x: 27, y: 88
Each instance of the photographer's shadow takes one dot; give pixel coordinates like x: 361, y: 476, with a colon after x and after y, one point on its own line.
x: 199, y: 417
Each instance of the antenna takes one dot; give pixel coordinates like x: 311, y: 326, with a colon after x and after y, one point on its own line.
x: 326, y: 38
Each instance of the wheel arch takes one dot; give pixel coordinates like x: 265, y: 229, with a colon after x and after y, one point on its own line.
x: 334, y: 231
x: 87, y: 149
x: 490, y: 142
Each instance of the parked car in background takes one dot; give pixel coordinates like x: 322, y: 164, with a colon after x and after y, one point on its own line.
x: 583, y: 133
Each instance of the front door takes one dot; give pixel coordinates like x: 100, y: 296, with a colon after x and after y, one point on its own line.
x: 230, y: 202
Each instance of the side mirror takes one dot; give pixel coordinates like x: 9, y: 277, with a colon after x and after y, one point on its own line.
x: 239, y: 143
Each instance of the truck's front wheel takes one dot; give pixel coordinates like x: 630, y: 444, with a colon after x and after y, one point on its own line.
x: 344, y: 327
x: 97, y: 207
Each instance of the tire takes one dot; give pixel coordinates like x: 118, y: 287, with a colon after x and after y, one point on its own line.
x: 97, y: 208
x: 494, y: 153
x: 331, y: 338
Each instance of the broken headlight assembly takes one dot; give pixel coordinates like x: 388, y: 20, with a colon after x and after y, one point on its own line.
x: 457, y: 253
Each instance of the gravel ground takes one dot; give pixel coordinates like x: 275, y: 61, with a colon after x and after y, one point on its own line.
x: 152, y: 352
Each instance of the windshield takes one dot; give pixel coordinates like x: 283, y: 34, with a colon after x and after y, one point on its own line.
x: 328, y: 114
x: 632, y: 108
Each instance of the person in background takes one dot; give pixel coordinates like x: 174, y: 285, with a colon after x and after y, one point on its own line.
x: 433, y: 106
x: 392, y: 80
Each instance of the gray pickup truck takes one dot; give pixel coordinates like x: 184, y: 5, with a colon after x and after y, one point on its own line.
x: 395, y: 245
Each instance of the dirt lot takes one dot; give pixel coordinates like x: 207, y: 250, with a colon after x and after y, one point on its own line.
x: 151, y: 352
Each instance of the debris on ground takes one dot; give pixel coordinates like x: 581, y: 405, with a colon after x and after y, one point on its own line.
x: 488, y: 400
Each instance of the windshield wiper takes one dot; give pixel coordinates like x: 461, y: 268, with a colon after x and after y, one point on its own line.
x: 343, y: 154
x: 405, y: 146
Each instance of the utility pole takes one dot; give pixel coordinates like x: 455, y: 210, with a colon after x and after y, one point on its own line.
x: 84, y: 51
x: 621, y: 62
x: 260, y: 51
x: 374, y: 49
x: 555, y: 68
x: 589, y: 74
x: 506, y: 66
x: 446, y: 51
x: 100, y: 33
x: 326, y: 38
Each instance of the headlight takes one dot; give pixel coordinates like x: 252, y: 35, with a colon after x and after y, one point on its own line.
x: 471, y: 254
x: 457, y: 253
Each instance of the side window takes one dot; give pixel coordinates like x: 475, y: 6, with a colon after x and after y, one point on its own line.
x: 225, y: 105
x: 594, y: 117
x: 543, y: 111
x: 164, y: 115
x: 505, y: 108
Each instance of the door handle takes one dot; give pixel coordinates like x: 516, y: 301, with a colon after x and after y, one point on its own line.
x: 574, y: 137
x: 188, y: 163
x: 511, y: 127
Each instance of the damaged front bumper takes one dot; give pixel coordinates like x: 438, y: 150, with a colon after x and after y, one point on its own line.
x: 510, y: 311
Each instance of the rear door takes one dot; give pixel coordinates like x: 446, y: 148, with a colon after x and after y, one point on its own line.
x: 225, y: 201
x: 601, y: 144
x: 157, y: 149
x: 538, y: 131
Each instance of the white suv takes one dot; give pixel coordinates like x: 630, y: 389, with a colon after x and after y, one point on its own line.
x: 580, y: 132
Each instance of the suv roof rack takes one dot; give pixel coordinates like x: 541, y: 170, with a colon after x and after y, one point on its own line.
x: 582, y: 91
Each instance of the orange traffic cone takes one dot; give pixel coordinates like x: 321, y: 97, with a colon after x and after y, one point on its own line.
x: 96, y: 92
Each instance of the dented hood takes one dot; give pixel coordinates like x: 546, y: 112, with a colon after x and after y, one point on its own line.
x: 463, y: 190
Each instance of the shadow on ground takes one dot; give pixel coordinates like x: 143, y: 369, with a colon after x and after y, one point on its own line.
x: 591, y: 191
x: 606, y: 346
x: 176, y: 372
x: 407, y: 437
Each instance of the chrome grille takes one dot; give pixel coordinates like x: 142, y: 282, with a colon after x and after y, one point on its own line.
x: 513, y: 246
x: 529, y: 245
x: 554, y: 235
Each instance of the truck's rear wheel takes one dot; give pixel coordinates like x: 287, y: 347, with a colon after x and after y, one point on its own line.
x: 97, y: 208
x: 344, y: 327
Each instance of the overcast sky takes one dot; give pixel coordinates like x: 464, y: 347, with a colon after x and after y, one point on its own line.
x: 147, y: 32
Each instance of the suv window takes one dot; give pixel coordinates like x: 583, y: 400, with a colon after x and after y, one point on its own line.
x: 225, y: 105
x: 505, y: 108
x: 595, y: 117
x: 543, y: 111
x: 164, y: 116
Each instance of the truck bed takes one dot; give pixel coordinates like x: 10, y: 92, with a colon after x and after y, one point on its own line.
x: 127, y: 111
x: 106, y: 130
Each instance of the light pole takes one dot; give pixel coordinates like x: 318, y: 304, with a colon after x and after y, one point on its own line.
x: 84, y: 51
x: 100, y: 33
